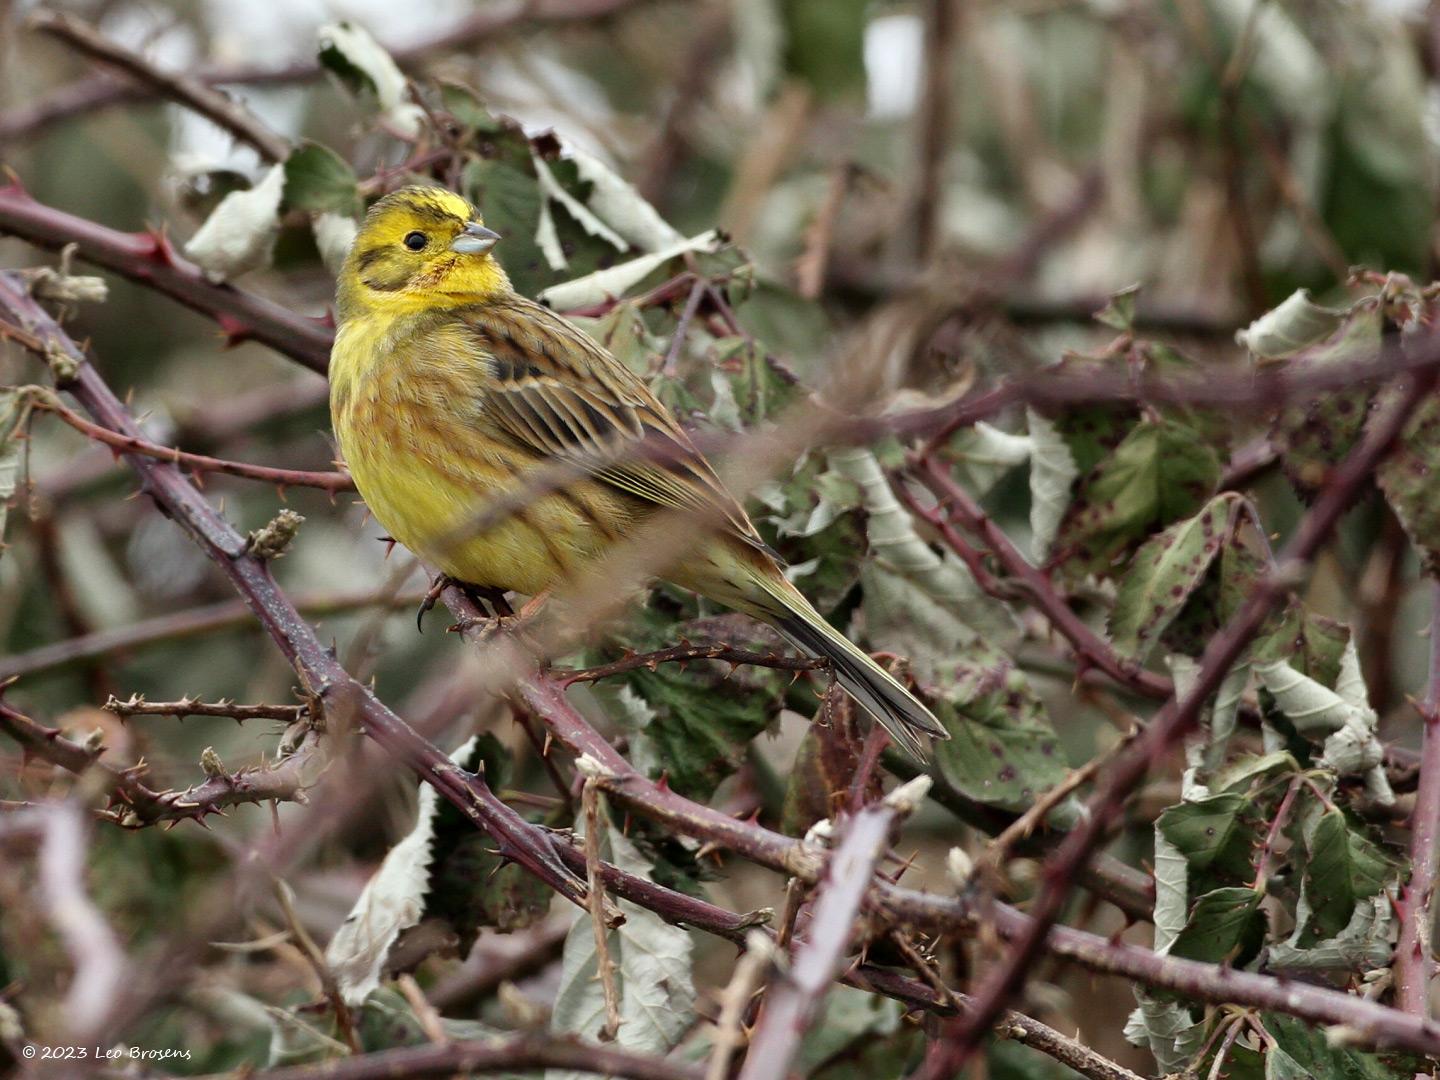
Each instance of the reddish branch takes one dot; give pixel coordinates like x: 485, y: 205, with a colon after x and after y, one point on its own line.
x: 957, y: 503
x: 1203, y: 982
x: 149, y: 258
x: 792, y: 1002
x: 1414, y: 953
x: 200, y: 463
x: 1175, y: 721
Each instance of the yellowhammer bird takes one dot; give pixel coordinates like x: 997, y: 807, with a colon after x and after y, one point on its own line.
x: 448, y: 389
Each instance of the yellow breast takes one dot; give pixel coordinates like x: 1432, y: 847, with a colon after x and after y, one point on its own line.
x: 406, y: 400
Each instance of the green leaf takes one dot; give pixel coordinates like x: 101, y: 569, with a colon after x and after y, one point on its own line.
x: 466, y: 106
x: 823, y: 768
x: 1225, y: 926
x: 471, y: 887
x: 1408, y: 478
x: 1241, y: 773
x: 239, y: 235
x: 824, y: 44
x: 1119, y: 310
x: 508, y: 197
x: 367, y: 71
x: 1210, y: 831
x: 983, y: 454
x: 1311, y: 1050
x: 1002, y: 750
x: 703, y: 720
x: 653, y: 970
x: 918, y: 603
x: 1161, y: 472
x: 760, y: 393
x: 1313, y: 645
x: 318, y: 179
x: 443, y: 869
x: 1342, y: 866
x: 12, y: 415
x: 1366, y: 943
x: 861, y: 1035
x: 1165, y: 571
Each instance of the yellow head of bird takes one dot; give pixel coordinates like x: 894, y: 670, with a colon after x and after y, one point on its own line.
x: 419, y: 248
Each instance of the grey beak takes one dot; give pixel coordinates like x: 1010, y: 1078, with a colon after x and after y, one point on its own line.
x: 474, y: 239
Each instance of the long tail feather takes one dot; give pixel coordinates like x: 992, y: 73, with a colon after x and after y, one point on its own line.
x: 865, y: 680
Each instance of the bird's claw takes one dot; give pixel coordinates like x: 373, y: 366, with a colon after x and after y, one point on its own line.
x: 438, y: 586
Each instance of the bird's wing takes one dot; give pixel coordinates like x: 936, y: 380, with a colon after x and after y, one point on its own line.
x: 557, y: 393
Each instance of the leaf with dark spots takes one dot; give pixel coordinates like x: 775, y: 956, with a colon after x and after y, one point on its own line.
x: 1162, y: 471
x: 1315, y: 436
x: 1002, y: 750
x: 1165, y: 571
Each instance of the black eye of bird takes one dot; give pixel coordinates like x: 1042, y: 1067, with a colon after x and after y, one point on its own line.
x: 416, y: 241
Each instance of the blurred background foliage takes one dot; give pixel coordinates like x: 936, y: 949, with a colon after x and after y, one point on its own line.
x: 1021, y: 160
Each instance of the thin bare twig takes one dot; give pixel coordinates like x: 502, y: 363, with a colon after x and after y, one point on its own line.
x: 956, y: 502
x: 195, y: 94
x: 135, y: 805
x: 735, y: 999
x: 44, y: 398
x: 138, y: 706
x: 315, y: 957
x: 590, y: 803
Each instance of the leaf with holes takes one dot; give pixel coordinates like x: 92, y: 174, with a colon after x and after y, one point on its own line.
x: 1165, y: 571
